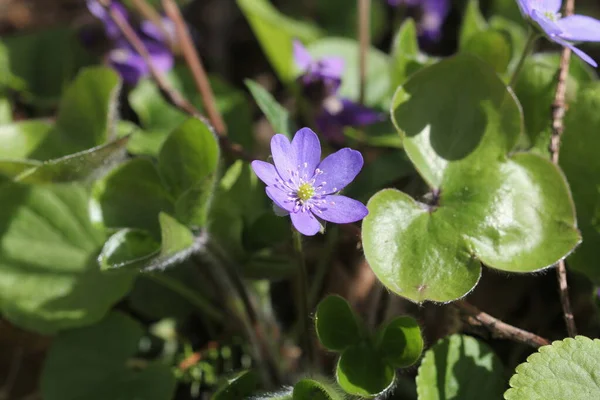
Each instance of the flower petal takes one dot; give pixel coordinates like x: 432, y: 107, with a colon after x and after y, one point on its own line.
x: 339, y: 169
x: 305, y: 223
x: 128, y: 64
x: 355, y: 114
x: 283, y: 156
x: 331, y: 67
x: 549, y: 27
x: 280, y: 198
x: 342, y: 210
x: 552, y: 6
x: 266, y: 172
x: 307, y: 151
x: 579, y: 28
x: 575, y: 50
x: 302, y: 57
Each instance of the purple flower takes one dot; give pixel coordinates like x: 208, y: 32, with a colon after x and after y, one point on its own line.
x: 543, y: 14
x: 432, y: 16
x: 327, y: 70
x: 123, y: 58
x: 338, y: 113
x: 305, y: 187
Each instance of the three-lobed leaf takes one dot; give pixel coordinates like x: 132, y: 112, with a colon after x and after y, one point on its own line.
x: 336, y: 324
x: 400, y: 342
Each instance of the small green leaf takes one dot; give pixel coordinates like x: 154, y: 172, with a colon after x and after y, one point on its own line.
x: 567, y: 369
x: 276, y: 114
x: 378, y: 68
x: 189, y: 155
x: 400, y: 342
x: 473, y: 24
x: 98, y: 357
x: 362, y: 372
x: 132, y: 196
x: 241, y: 386
x: 337, y: 326
x: 460, y: 367
x: 492, y: 46
x: 579, y: 159
x: 406, y: 57
x: 48, y: 242
x: 275, y: 33
x: 78, y: 166
x: 313, y: 389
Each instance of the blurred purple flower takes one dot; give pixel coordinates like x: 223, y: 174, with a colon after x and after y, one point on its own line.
x: 304, y: 187
x: 433, y: 14
x: 335, y: 112
x: 123, y: 58
x: 545, y: 16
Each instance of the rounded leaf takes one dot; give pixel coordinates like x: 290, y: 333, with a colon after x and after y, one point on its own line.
x: 567, y: 369
x: 460, y: 367
x: 312, y: 389
x: 337, y: 326
x: 400, y: 342
x: 362, y: 372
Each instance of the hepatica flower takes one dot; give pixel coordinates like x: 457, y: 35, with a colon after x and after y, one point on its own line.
x: 305, y: 187
x: 122, y: 57
x: 321, y: 80
x: 431, y: 16
x: 544, y: 15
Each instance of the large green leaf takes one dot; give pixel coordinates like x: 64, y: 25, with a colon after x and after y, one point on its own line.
x: 49, y: 278
x: 492, y: 46
x: 567, y: 369
x: 336, y: 324
x: 275, y: 33
x: 19, y: 140
x: 378, y: 68
x: 460, y: 367
x: 93, y: 363
x: 512, y: 213
x: 579, y: 159
x: 132, y: 196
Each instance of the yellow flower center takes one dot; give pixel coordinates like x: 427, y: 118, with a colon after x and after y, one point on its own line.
x: 306, y: 191
x: 551, y: 16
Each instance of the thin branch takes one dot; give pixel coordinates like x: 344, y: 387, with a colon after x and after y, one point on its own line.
x: 559, y: 108
x: 498, y: 329
x: 170, y: 93
x: 195, y: 64
x: 364, y: 19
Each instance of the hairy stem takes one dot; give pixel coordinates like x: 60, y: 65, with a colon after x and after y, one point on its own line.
x: 498, y: 329
x: 558, y: 113
x: 302, y: 304
x: 531, y: 38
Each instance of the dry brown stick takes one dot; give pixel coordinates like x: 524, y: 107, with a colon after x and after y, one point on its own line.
x: 170, y: 94
x: 498, y: 329
x: 195, y: 64
x: 558, y: 114
x: 364, y: 19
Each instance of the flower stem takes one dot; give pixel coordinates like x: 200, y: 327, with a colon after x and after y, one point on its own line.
x: 531, y: 38
x: 301, y: 289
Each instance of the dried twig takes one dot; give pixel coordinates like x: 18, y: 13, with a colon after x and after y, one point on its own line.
x: 195, y: 64
x: 558, y: 113
x: 498, y: 329
x: 364, y: 19
x: 170, y: 93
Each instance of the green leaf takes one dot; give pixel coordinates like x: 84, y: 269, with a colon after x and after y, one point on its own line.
x: 5, y: 112
x: 518, y: 37
x: 241, y: 386
x: 473, y: 24
x: 362, y: 372
x: 567, y: 369
x: 49, y: 278
x: 378, y: 68
x: 536, y: 88
x: 275, y: 33
x: 581, y: 164
x: 460, y: 367
x: 41, y: 64
x: 134, y: 249
x: 78, y: 166
x: 492, y: 46
x: 189, y: 155
x: 406, y: 57
x: 132, y: 196
x: 313, y: 389
x: 93, y: 363
x: 276, y: 114
x: 336, y: 324
x: 19, y: 140
x: 400, y: 342
x: 10, y: 169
